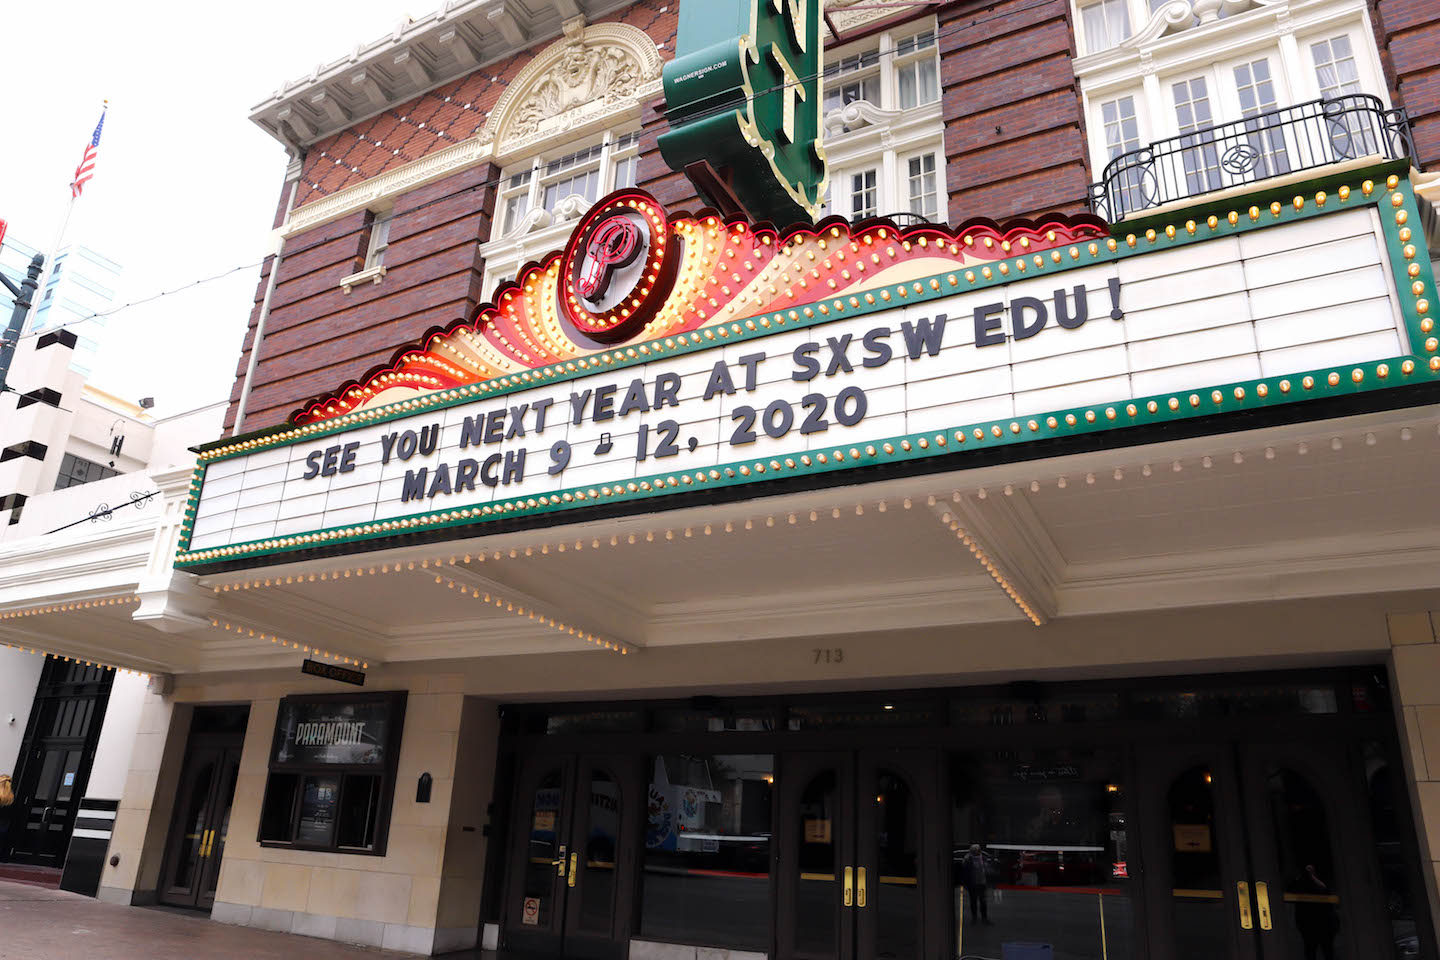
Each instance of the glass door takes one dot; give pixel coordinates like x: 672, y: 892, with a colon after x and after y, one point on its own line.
x: 1245, y: 858
x: 573, y: 857
x: 859, y: 856
x: 190, y: 830
x: 218, y: 825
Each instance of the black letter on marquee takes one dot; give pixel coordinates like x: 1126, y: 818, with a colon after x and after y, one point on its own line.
x: 429, y: 438
x: 604, y: 408
x: 495, y: 426
x: 312, y: 463
x: 487, y: 472
x: 839, y: 362
x: 921, y: 335
x: 720, y: 382
x: 1062, y: 308
x: 441, y: 481
x: 577, y: 406
x: 1115, y: 312
x: 347, y: 456
x: 465, y: 473
x: 514, y: 467
x: 667, y: 385
x: 880, y: 350
x: 414, y: 486
x: 806, y: 366
x: 472, y: 431
x: 1023, y: 330
x: 517, y: 421
x: 387, y: 443
x: 540, y: 406
x: 635, y: 398
x: 331, y: 456
x: 749, y: 362
x: 987, y: 319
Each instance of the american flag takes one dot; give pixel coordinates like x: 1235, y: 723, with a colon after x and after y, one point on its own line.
x: 86, y: 170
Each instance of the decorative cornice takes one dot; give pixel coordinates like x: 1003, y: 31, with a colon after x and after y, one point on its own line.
x: 437, y: 165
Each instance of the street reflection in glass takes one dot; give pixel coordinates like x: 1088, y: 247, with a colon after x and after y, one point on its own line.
x: 1039, y: 867
x: 707, y: 850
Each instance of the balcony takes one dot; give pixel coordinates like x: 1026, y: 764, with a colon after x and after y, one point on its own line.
x: 1273, y: 144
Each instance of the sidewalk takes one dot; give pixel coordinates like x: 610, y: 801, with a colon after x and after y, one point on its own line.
x: 41, y: 924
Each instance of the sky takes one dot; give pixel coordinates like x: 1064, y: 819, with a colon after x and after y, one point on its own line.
x: 186, y: 186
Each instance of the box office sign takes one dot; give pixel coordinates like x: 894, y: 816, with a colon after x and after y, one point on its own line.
x: 339, y: 731
x: 733, y: 355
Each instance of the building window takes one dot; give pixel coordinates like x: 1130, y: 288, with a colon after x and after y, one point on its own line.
x: 515, y: 200
x: 1107, y: 24
x: 573, y: 175
x: 1256, y: 89
x: 709, y: 824
x: 77, y: 470
x: 864, y: 195
x: 917, y: 70
x: 1122, y: 134
x: 856, y: 77
x: 1338, y: 75
x: 1193, y: 116
x: 332, y: 773
x: 923, y: 188
x: 545, y: 184
x: 379, y: 240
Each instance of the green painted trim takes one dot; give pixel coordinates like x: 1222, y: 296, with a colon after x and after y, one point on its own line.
x: 1233, y: 397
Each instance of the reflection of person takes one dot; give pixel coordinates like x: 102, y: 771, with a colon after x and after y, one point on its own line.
x: 975, y: 875
x: 7, y: 793
x: 1317, y: 919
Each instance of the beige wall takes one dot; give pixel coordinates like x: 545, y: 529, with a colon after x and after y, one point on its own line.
x: 1415, y: 667
x: 424, y: 894
x: 146, y: 802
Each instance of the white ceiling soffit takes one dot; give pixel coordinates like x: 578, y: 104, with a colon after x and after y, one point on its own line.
x: 418, y: 55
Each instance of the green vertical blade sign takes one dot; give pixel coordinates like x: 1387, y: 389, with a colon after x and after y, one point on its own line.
x: 743, y: 99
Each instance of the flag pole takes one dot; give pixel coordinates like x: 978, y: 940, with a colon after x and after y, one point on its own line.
x: 39, y: 296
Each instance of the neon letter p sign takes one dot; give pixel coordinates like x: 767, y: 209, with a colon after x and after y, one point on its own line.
x: 613, y: 245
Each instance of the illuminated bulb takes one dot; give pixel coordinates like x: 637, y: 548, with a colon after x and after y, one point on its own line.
x: 1302, y: 448
x: 1090, y: 479
x: 1034, y: 486
x: 1239, y: 457
x: 1269, y: 453
x: 1369, y: 439
x: 1062, y: 483
x: 1145, y: 470
x: 1405, y: 433
x: 981, y: 493
x: 1207, y: 463
x: 1009, y: 490
x: 1119, y: 474
x: 907, y: 503
x: 1335, y: 443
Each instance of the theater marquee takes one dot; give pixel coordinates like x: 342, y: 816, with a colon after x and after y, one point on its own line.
x: 655, y: 357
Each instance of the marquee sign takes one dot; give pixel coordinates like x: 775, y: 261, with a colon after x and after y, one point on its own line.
x: 657, y: 356
x: 743, y: 95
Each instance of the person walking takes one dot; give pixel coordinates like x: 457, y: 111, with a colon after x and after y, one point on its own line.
x: 7, y: 792
x: 975, y: 875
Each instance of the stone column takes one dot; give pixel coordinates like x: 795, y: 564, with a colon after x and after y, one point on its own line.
x: 1415, y: 666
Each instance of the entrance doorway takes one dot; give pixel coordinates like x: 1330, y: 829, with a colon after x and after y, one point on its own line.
x: 860, y: 859
x: 55, y: 760
x: 1258, y: 851
x: 572, y: 883
x: 201, y: 821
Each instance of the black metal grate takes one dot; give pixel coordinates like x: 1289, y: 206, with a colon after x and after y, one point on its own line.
x: 1270, y: 144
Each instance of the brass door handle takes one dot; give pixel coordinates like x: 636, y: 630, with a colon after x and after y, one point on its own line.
x: 1242, y: 889
x: 1262, y: 900
x: 849, y: 886
x: 204, y: 844
x: 574, y: 857
x: 860, y: 891
x: 560, y: 864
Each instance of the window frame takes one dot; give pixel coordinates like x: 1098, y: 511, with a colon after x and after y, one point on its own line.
x: 925, y: 48
x: 395, y: 700
x: 74, y: 458
x: 1093, y: 44
x: 905, y: 199
x: 379, y: 239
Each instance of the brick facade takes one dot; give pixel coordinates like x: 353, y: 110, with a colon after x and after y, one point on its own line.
x: 1000, y: 67
x: 1408, y: 35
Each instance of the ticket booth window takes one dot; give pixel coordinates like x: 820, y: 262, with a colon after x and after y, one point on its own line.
x: 332, y: 773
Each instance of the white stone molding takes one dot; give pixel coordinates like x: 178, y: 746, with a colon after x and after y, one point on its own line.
x: 858, y: 113
x: 374, y: 274
x: 590, y: 74
x: 441, y: 163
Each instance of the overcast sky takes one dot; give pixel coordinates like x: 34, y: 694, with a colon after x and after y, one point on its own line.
x: 186, y: 185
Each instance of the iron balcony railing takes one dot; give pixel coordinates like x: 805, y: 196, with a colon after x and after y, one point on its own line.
x: 1290, y: 139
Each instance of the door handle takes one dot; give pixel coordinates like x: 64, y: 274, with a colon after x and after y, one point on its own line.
x: 208, y: 844
x: 560, y: 864
x: 860, y: 888
x: 1242, y: 889
x: 1262, y: 901
x: 573, y: 858
x: 849, y: 886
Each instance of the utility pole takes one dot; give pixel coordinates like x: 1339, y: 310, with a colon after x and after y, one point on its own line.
x: 22, y: 295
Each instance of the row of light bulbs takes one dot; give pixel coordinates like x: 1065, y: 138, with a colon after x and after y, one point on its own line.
x: 983, y: 558
x: 519, y: 610
x: 89, y: 663
x: 240, y: 630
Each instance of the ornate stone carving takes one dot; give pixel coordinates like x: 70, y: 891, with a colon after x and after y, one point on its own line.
x: 589, y: 73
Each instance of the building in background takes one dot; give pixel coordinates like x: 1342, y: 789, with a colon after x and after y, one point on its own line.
x: 81, y: 284
x: 85, y: 475
x: 729, y: 616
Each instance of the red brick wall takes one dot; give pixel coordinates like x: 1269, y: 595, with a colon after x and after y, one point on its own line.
x: 1408, y: 33
x: 1003, y: 66
x: 1014, y: 130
